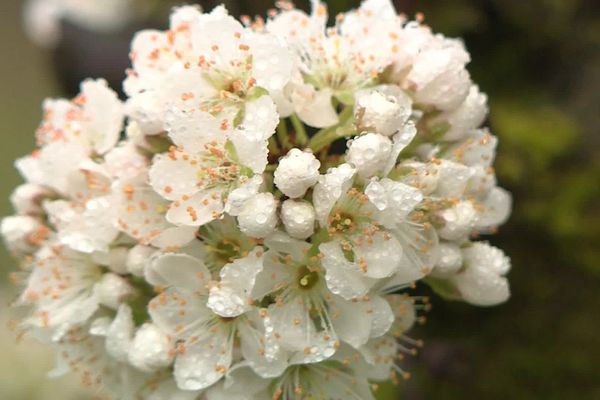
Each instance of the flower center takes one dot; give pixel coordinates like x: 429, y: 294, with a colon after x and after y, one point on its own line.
x: 342, y: 223
x: 227, y: 250
x: 307, y: 279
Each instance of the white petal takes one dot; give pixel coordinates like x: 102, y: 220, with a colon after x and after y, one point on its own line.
x: 379, y: 255
x: 125, y: 160
x: 119, y: 334
x: 251, y: 150
x: 439, y: 75
x: 272, y: 62
x: 140, y: 210
x: 330, y: 188
x: 167, y: 389
x: 191, y: 129
x: 352, y: 320
x: 478, y: 149
x: 173, y: 178
x: 175, y: 237
x: 253, y: 350
x: 420, y: 253
x: 240, y: 384
x: 404, y: 310
x: 282, y: 243
x: 453, y: 179
x: 496, y: 208
x: 292, y: 324
x: 197, y: 210
x: 395, y: 200
x: 250, y: 139
x: 316, y: 108
x: 93, y: 230
x: 53, y: 164
x: 179, y: 312
x: 232, y: 295
x: 343, y: 277
x: 104, y: 112
x: 238, y: 197
x: 204, y: 362
x: 178, y: 270
x: 380, y: 355
x: 383, y: 316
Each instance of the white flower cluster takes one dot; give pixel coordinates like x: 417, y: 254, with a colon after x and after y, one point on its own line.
x: 201, y: 241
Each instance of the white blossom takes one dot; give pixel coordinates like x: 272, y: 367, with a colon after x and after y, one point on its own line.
x: 219, y: 246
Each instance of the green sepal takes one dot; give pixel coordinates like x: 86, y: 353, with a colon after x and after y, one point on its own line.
x: 443, y: 287
x: 346, y: 97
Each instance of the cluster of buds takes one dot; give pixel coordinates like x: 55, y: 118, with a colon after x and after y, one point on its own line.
x: 209, y: 238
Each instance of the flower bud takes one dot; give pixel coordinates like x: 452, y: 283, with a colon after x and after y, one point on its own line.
x: 115, y: 259
x: 137, y: 258
x: 298, y: 217
x: 483, y: 282
x: 369, y: 153
x: 438, y: 76
x: 27, y: 198
x: 112, y: 289
x: 259, y: 215
x: 296, y: 172
x: 23, y: 234
x: 150, y: 349
x: 381, y: 112
x: 469, y: 115
x: 459, y: 221
x: 449, y: 261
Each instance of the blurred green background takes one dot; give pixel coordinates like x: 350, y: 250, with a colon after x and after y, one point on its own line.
x: 539, y: 62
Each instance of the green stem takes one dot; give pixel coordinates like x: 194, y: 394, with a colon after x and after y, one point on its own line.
x: 273, y: 146
x: 301, y: 135
x: 282, y: 135
x: 320, y: 236
x: 271, y: 168
x: 344, y: 128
